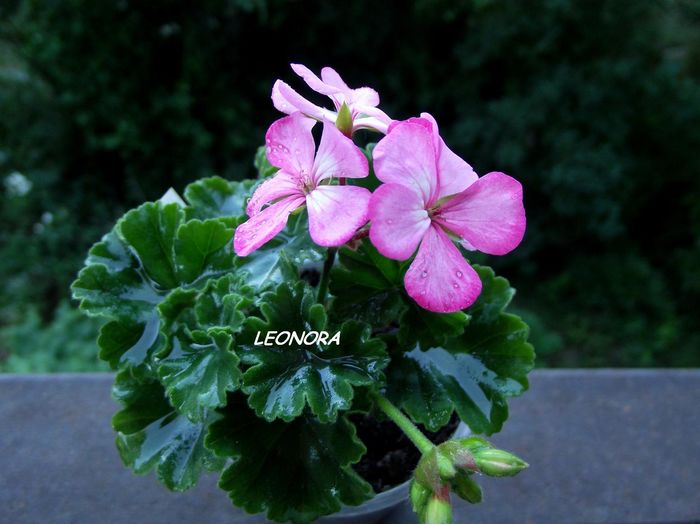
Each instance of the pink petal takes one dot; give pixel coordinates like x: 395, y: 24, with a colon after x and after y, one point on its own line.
x: 290, y: 145
x: 406, y: 156
x: 336, y: 213
x: 454, y: 173
x: 279, y: 101
x: 399, y: 221
x: 281, y: 185
x: 262, y: 227
x: 371, y: 123
x: 315, y: 82
x: 364, y: 110
x: 439, y: 279
x: 364, y: 96
x: 371, y: 118
x: 489, y: 214
x: 288, y: 101
x: 338, y: 157
x: 330, y: 77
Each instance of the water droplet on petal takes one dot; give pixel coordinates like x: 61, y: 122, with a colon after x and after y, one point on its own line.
x: 456, y: 286
x: 459, y: 274
x: 389, y: 221
x: 424, y: 274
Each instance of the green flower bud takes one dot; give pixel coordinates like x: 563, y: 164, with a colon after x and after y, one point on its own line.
x: 438, y: 511
x: 465, y: 488
x: 474, y: 444
x: 344, y: 120
x: 419, y: 496
x: 445, y: 468
x: 498, y: 463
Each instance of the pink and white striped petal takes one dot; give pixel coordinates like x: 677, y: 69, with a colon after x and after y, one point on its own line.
x: 371, y: 123
x: 489, y: 214
x: 406, y: 156
x: 399, y: 220
x: 331, y: 77
x: 364, y: 96
x: 336, y: 213
x: 279, y: 186
x: 262, y: 227
x: 287, y: 100
x: 314, y: 82
x: 290, y: 145
x: 454, y: 173
x: 338, y: 157
x: 439, y: 278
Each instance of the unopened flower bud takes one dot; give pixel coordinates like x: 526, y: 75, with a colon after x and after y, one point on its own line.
x: 419, y: 496
x: 465, y: 488
x: 498, y: 463
x: 474, y: 443
x: 344, y: 120
x: 438, y: 511
x: 445, y: 468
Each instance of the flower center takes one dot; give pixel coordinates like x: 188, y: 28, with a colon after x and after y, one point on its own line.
x: 306, y: 184
x: 434, y: 212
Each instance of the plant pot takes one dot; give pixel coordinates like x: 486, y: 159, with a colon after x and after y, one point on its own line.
x: 383, y: 504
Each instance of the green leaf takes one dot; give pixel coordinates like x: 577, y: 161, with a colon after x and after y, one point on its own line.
x: 150, y: 232
x: 113, y: 285
x: 198, y: 249
x: 262, y: 164
x: 284, y: 379
x: 495, y: 296
x: 152, y: 262
x: 296, y: 472
x: 367, y: 287
x: 224, y: 302
x: 123, y: 342
x: 198, y: 372
x: 474, y: 373
x: 429, y: 329
x: 215, y: 197
x: 177, y: 313
x: 151, y: 252
x: 150, y: 434
x: 281, y: 257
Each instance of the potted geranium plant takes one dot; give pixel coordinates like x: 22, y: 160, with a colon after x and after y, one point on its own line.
x: 317, y: 335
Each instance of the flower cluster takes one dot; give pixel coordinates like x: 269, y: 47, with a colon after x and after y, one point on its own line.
x: 429, y: 198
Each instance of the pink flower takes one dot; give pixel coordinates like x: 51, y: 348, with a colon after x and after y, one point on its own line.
x: 429, y: 195
x: 362, y: 102
x: 335, y: 212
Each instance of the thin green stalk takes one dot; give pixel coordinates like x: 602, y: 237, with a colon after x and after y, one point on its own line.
x: 325, y: 277
x: 404, y: 423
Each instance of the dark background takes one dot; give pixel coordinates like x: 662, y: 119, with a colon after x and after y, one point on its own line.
x: 594, y: 105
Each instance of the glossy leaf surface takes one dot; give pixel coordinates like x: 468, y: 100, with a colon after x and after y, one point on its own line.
x: 284, y: 378
x: 474, y: 373
x: 152, y: 435
x: 199, y: 371
x: 295, y: 472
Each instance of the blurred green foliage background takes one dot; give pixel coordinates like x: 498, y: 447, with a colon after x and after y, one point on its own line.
x: 593, y: 105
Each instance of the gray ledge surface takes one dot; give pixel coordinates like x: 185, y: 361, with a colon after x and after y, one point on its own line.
x: 605, y: 446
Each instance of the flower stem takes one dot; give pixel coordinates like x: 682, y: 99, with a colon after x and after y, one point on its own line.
x: 404, y: 423
x: 325, y: 276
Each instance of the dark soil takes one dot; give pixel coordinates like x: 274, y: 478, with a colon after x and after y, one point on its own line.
x: 391, y: 457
